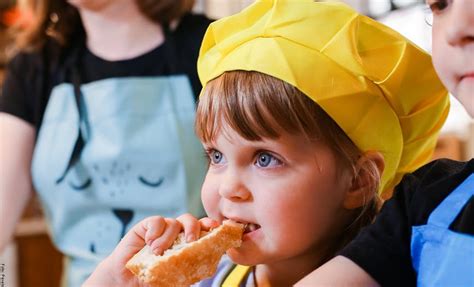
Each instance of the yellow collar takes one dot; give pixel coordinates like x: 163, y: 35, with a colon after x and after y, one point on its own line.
x: 236, y: 276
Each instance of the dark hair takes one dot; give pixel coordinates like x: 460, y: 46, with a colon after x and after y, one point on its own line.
x: 60, y: 20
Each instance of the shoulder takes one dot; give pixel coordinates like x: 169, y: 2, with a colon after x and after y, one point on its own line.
x: 195, y: 22
x: 187, y: 38
x: 191, y: 29
x: 44, y: 59
x: 24, y: 61
x: 443, y: 169
x: 441, y: 175
x: 386, y: 242
x: 423, y: 190
x: 29, y: 77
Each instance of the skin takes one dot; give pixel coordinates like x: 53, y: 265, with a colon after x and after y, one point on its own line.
x: 453, y: 39
x: 282, y: 185
x: 131, y: 36
x: 16, y: 150
x: 453, y: 50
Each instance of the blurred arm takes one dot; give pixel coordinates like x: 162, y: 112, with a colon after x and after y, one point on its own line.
x: 17, y: 138
x: 339, y: 271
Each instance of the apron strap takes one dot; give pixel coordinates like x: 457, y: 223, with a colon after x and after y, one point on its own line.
x: 171, y: 62
x: 80, y: 142
x: 452, y: 205
x: 236, y: 276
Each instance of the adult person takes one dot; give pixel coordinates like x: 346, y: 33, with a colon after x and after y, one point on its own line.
x: 97, y: 117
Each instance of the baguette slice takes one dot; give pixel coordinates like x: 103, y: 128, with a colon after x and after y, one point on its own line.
x: 186, y: 263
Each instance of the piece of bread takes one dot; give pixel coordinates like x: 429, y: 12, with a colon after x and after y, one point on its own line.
x: 186, y: 263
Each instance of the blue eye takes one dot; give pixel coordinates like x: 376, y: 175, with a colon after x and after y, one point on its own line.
x: 265, y: 159
x: 215, y: 156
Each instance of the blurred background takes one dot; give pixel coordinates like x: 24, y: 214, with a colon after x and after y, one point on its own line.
x: 31, y: 260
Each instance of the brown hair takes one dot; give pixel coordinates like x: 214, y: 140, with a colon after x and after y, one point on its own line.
x: 60, y: 20
x: 259, y: 106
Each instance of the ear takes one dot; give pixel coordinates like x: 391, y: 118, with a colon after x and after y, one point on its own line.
x: 361, y: 189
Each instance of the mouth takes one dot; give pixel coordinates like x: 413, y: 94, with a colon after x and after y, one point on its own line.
x: 469, y: 75
x: 249, y: 227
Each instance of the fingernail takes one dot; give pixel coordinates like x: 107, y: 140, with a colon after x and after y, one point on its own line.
x: 190, y: 238
x: 157, y: 251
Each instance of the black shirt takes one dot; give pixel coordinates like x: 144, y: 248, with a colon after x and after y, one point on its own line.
x: 30, y: 77
x: 383, y: 248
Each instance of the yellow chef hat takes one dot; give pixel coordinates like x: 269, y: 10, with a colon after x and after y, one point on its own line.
x: 379, y: 87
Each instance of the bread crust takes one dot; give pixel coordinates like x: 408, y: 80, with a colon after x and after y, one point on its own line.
x: 186, y: 263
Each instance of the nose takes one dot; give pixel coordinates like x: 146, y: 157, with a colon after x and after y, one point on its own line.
x: 460, y: 30
x: 232, y: 186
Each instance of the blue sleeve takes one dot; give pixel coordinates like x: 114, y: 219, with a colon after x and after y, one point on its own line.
x: 223, y: 269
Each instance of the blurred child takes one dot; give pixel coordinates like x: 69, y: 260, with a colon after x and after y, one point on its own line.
x: 424, y: 235
x: 308, y: 110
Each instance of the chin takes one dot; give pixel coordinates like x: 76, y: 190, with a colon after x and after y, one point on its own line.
x: 465, y: 96
x: 243, y: 257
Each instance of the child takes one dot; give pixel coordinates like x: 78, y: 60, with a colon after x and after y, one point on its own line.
x: 305, y: 106
x: 425, y: 234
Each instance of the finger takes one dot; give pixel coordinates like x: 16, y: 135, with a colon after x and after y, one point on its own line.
x: 173, y: 227
x: 131, y: 243
x: 154, y: 226
x: 191, y: 226
x: 136, y: 235
x: 208, y: 223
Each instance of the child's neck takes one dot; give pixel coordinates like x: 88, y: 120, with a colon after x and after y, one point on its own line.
x: 120, y: 31
x: 288, y: 272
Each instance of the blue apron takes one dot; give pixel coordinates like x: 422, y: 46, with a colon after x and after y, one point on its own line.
x: 110, y: 153
x: 442, y: 257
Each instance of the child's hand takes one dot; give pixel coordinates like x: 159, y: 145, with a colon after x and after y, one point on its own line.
x: 160, y: 233
x: 157, y: 232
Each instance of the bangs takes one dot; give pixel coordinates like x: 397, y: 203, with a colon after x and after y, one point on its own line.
x: 256, y: 106
x: 259, y: 106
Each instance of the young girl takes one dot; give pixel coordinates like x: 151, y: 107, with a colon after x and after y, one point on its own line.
x: 308, y: 110
x: 96, y: 115
x: 424, y: 235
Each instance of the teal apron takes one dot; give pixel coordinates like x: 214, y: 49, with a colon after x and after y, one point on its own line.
x: 110, y: 153
x: 442, y: 257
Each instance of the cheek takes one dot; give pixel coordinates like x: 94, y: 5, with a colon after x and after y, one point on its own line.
x: 210, y: 197
x: 314, y: 210
x: 312, y: 204
x: 440, y: 54
x: 301, y: 223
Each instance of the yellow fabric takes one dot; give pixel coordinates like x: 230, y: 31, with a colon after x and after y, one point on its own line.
x: 234, y: 279
x: 379, y: 87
